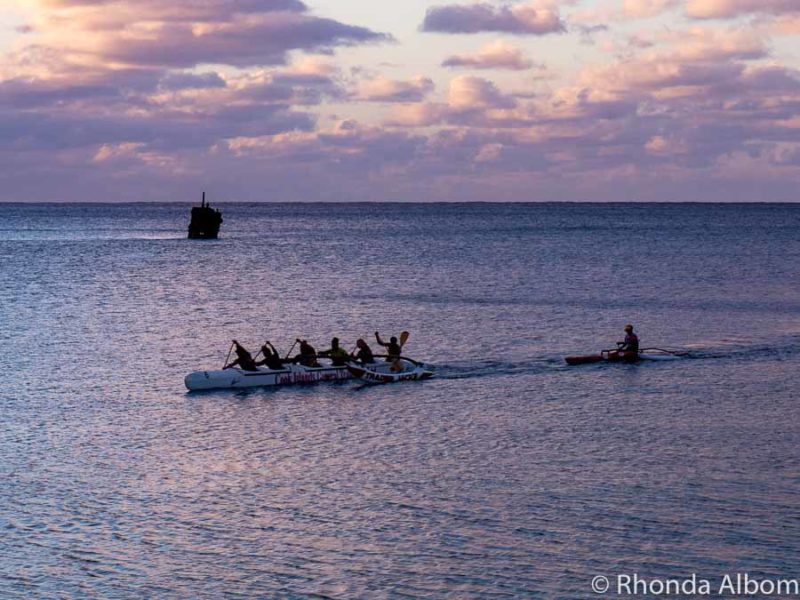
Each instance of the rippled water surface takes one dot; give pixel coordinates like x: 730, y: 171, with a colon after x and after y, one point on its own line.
x: 510, y: 475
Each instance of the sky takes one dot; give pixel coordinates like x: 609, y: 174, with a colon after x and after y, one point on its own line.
x: 420, y: 100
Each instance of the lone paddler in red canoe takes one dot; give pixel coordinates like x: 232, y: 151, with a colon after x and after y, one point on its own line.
x: 627, y: 351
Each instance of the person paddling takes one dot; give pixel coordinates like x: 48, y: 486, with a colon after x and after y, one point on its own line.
x: 272, y: 359
x: 364, y: 354
x: 393, y: 347
x: 336, y: 353
x: 629, y: 347
x: 244, y: 360
x: 307, y: 356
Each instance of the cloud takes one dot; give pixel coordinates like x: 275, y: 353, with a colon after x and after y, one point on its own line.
x: 471, y: 101
x: 520, y: 19
x: 724, y: 9
x: 626, y: 10
x: 184, y: 33
x: 118, y: 80
x: 468, y: 93
x: 182, y: 81
x: 421, y: 114
x: 182, y: 10
x: 307, y: 82
x: 707, y: 44
x: 123, y: 94
x: 664, y: 146
x: 639, y: 9
x: 242, y: 43
x: 29, y: 95
x: 381, y: 89
x: 787, y: 25
x: 496, y: 55
x: 489, y: 153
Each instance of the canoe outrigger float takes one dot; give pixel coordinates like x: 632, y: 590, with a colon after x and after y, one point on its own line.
x: 626, y: 357
x: 291, y: 374
x: 403, y: 369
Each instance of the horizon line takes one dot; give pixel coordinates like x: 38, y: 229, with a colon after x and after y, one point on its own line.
x: 395, y: 202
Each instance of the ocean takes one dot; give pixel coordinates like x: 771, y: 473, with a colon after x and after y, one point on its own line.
x: 508, y: 475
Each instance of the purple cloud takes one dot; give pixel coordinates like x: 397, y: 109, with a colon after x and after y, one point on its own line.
x: 191, y: 81
x: 188, y: 10
x: 726, y: 9
x: 381, y: 89
x: 264, y: 41
x: 476, y: 18
x: 106, y: 95
x: 498, y: 55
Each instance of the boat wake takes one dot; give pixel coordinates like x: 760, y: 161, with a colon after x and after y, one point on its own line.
x: 494, y: 368
x: 743, y: 350
x: 739, y: 350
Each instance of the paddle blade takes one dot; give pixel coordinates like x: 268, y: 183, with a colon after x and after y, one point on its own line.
x: 583, y: 360
x: 404, y: 338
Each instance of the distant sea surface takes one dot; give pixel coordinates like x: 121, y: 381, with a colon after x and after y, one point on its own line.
x: 509, y: 475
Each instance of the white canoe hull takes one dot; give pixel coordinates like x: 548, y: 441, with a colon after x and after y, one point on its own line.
x: 383, y: 372
x: 238, y: 378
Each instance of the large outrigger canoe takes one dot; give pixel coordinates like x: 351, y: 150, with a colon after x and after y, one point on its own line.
x: 293, y: 374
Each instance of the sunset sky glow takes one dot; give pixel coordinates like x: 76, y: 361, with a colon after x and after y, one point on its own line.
x: 423, y: 100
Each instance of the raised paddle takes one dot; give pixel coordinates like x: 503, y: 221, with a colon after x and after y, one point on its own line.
x: 396, y: 366
x: 403, y: 338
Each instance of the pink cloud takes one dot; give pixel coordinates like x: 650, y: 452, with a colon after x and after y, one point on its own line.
x: 421, y: 114
x: 711, y: 9
x: 381, y: 89
x: 638, y: 9
x: 183, y: 33
x: 85, y: 102
x: 468, y: 92
x: 788, y: 25
x: 246, y: 42
x: 528, y: 18
x: 496, y: 55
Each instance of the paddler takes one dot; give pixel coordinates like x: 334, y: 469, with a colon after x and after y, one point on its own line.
x: 393, y: 348
x: 244, y: 360
x: 336, y: 353
x: 272, y: 359
x: 629, y: 347
x: 307, y: 356
x: 364, y: 354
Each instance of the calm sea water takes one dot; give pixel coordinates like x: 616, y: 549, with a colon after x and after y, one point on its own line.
x: 511, y: 475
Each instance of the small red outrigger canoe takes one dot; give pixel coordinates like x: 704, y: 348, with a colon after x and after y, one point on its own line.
x: 623, y: 356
